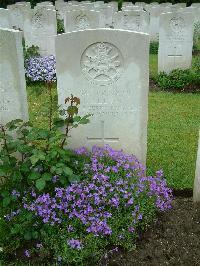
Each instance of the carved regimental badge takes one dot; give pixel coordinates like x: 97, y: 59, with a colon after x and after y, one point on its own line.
x: 177, y: 24
x: 82, y: 22
x: 38, y: 20
x: 102, y: 63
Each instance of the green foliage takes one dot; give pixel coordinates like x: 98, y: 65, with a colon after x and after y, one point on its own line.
x: 60, y: 26
x: 154, y: 47
x: 179, y: 80
x: 196, y: 38
x: 30, y: 52
x: 40, y: 151
x: 196, y: 65
x: 29, y: 158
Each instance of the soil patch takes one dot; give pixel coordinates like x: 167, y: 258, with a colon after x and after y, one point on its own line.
x: 174, y: 239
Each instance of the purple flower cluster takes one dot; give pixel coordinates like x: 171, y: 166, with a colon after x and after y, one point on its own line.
x: 94, y: 202
x: 108, y: 161
x: 74, y: 243
x: 12, y: 214
x: 41, y: 68
x: 115, y: 185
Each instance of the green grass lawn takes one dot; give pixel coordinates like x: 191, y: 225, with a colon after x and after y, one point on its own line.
x: 174, y: 120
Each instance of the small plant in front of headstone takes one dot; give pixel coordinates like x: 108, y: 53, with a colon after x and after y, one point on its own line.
x: 60, y: 26
x: 76, y: 224
x: 32, y: 51
x: 180, y: 80
x: 154, y: 47
x: 196, y: 39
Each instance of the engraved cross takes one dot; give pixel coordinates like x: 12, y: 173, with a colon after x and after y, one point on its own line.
x: 175, y: 55
x: 103, y: 139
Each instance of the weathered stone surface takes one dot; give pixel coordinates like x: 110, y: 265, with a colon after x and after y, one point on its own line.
x: 40, y: 29
x: 5, y: 18
x: 13, y: 99
x: 132, y: 20
x: 81, y: 20
x: 112, y: 82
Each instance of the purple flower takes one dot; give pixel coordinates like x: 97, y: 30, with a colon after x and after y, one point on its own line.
x: 41, y: 68
x: 55, y: 178
x: 75, y: 243
x: 27, y: 253
x: 15, y: 193
x: 39, y: 245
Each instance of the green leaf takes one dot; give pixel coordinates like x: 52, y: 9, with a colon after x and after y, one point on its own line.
x: 68, y: 171
x: 46, y: 176
x: 27, y: 236
x: 38, y: 155
x: 76, y: 118
x: 13, y: 124
x: 59, y: 122
x: 62, y: 112
x: 63, y: 180
x: 6, y: 201
x: 74, y: 178
x: 40, y: 184
x: 35, y: 234
x: 72, y: 110
x: 34, y: 176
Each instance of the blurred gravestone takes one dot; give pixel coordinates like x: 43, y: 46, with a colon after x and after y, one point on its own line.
x: 175, y: 41
x: 13, y: 99
x: 5, y: 18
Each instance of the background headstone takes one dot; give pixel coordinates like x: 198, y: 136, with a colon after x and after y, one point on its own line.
x: 40, y: 28
x: 5, y: 19
x: 112, y: 81
x: 81, y: 20
x: 13, y: 99
x: 132, y: 20
x: 175, y: 41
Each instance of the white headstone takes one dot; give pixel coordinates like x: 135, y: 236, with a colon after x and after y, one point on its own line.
x: 132, y: 20
x: 40, y: 28
x: 13, y: 99
x: 111, y: 79
x: 5, y: 19
x: 181, y: 5
x: 132, y: 8
x: 140, y: 4
x: 107, y: 13
x: 196, y: 189
x: 175, y: 41
x: 81, y: 20
x: 155, y: 11
x: 17, y: 15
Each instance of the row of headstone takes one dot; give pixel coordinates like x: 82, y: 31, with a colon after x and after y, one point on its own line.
x: 78, y: 14
x: 110, y: 78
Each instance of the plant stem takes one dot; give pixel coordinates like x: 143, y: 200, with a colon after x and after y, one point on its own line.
x: 49, y: 86
x: 5, y: 141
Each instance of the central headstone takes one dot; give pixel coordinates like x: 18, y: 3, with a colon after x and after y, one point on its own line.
x: 13, y: 99
x: 111, y: 79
